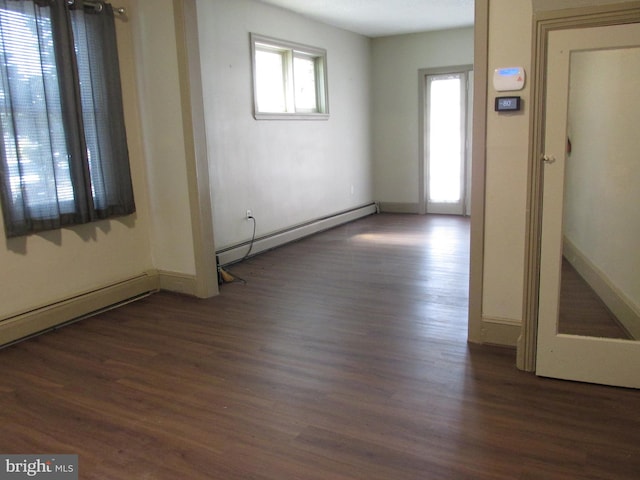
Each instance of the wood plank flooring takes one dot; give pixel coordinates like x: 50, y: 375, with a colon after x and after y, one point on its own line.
x: 582, y: 312
x: 343, y: 357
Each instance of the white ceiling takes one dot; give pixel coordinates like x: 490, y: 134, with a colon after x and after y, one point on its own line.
x: 378, y: 18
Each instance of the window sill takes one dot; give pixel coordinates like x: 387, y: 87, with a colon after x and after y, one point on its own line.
x: 291, y: 116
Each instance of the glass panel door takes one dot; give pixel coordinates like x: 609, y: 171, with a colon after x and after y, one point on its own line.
x: 445, y: 145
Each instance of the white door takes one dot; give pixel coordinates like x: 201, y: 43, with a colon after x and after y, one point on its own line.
x: 591, y: 205
x: 446, y: 145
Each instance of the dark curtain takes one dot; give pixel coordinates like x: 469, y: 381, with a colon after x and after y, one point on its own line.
x: 102, y: 114
x: 64, y: 151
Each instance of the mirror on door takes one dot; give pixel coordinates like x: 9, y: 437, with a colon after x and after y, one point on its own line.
x: 600, y: 279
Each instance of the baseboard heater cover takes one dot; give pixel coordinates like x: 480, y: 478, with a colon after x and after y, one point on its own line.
x: 237, y: 252
x: 39, y: 320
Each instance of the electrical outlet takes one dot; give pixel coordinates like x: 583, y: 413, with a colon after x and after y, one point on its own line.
x: 249, y: 214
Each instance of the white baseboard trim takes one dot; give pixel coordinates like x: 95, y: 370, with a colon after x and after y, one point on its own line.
x: 237, y: 252
x: 620, y: 305
x: 397, y: 207
x: 177, y: 282
x: 500, y: 331
x: 43, y: 318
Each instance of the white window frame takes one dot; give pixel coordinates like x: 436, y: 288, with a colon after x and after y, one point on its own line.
x: 289, y: 51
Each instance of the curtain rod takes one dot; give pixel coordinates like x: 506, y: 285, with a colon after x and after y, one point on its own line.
x: 99, y: 6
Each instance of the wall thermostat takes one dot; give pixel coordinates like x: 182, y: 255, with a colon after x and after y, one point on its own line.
x: 510, y: 78
x: 507, y: 104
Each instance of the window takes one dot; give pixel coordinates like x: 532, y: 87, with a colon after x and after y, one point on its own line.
x: 63, y: 150
x: 289, y: 80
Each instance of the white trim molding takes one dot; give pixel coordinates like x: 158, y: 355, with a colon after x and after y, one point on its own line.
x: 397, y: 207
x: 500, y: 331
x: 178, y: 283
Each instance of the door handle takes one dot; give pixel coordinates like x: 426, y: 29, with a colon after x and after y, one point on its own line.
x: 548, y: 159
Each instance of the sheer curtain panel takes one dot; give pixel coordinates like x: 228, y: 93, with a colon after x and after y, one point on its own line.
x: 64, y: 149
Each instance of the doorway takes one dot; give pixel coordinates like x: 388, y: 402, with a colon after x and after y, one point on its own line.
x: 445, y: 143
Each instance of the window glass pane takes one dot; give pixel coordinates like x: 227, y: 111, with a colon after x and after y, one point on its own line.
x: 31, y: 116
x: 270, y: 81
x: 445, y: 144
x: 304, y: 78
x: 289, y: 79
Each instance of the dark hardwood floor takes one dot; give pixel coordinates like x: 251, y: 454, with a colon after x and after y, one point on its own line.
x: 344, y: 356
x: 582, y: 312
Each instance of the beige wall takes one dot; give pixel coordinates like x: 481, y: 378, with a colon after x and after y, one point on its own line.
x: 156, y: 59
x: 42, y: 269
x: 287, y: 172
x: 506, y: 166
x: 395, y: 64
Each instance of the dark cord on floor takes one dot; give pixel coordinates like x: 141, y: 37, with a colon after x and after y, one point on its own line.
x: 228, y: 277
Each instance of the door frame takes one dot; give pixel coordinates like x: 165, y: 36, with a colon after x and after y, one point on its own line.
x: 543, y: 24
x: 423, y: 122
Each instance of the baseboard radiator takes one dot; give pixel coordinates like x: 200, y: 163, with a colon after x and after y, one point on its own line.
x: 237, y: 252
x: 41, y: 319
